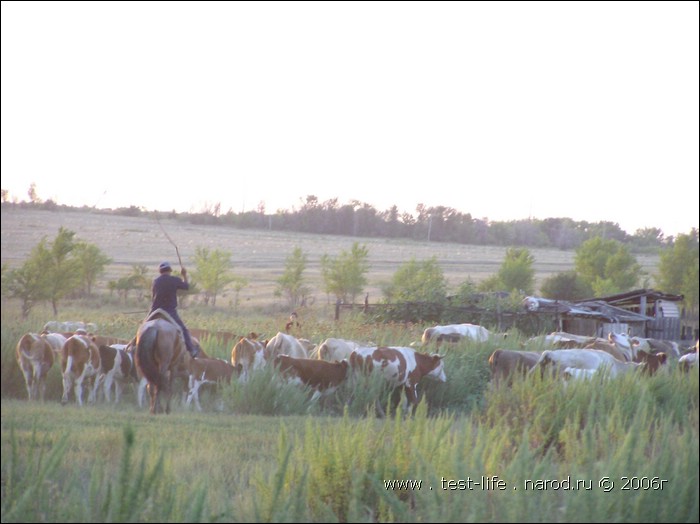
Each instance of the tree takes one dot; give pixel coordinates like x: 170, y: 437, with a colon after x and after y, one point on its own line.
x: 291, y: 283
x: 567, y: 285
x: 91, y: 262
x: 678, y: 269
x: 63, y: 270
x: 419, y: 290
x: 607, y: 266
x: 212, y: 272
x: 50, y: 273
x: 516, y: 272
x: 31, y: 193
x: 27, y: 283
x: 418, y: 282
x: 344, y: 275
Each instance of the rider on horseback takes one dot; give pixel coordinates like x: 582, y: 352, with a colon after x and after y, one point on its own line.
x: 165, y: 297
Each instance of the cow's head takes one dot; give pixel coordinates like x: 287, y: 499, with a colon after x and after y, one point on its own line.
x: 437, y: 371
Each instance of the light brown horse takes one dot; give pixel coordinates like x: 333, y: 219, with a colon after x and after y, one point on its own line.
x: 160, y: 349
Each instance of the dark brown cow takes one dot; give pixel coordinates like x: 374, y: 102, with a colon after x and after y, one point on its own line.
x: 323, y: 377
x: 402, y: 367
x: 206, y: 371
x: 505, y: 364
x: 652, y: 362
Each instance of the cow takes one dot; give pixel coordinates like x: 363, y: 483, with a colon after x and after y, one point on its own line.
x: 652, y: 361
x: 70, y: 326
x: 206, y: 371
x: 689, y: 359
x: 333, y: 349
x: 585, y: 359
x: 559, y: 340
x: 653, y: 345
x: 579, y: 374
x: 624, y: 344
x: 79, y: 363
x: 323, y: 377
x: 35, y: 356
x: 505, y: 364
x: 284, y: 344
x: 247, y: 355
x: 454, y: 333
x: 402, y: 367
x: 116, y: 368
x: 609, y: 347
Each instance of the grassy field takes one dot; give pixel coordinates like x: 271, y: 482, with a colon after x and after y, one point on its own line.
x: 606, y: 451
x: 257, y: 255
x: 261, y: 452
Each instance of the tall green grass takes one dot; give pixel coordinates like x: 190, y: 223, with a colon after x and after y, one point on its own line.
x: 267, y: 453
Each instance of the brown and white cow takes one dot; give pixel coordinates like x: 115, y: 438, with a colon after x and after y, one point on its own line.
x: 79, y: 363
x: 116, y: 368
x: 653, y: 345
x: 323, y: 377
x: 246, y: 356
x: 35, y: 356
x: 206, y: 371
x: 402, y: 367
x: 620, y: 354
x: 505, y: 364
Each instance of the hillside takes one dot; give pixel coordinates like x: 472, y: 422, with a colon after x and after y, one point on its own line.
x: 257, y: 255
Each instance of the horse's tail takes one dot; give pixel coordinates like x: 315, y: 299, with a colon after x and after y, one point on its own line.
x: 145, y: 351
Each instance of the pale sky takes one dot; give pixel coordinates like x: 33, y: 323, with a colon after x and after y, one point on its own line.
x: 587, y: 110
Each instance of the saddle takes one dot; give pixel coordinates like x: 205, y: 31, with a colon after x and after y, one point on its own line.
x: 161, y: 313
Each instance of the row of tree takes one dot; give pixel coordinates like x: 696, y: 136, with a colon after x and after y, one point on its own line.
x: 434, y: 224
x: 66, y: 267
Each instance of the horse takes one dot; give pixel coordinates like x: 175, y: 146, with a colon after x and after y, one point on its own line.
x: 160, y: 348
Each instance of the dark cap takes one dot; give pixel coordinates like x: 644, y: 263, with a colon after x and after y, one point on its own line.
x: 165, y: 266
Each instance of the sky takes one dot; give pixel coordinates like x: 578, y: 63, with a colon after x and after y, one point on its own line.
x: 506, y: 111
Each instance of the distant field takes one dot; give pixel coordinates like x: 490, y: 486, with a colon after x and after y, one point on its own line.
x: 258, y: 255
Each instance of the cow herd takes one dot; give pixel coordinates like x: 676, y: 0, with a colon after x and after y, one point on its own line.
x: 576, y: 357
x: 102, y: 364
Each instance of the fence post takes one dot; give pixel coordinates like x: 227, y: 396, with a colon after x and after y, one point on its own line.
x: 337, y: 309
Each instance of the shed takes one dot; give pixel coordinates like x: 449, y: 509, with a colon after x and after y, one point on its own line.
x: 662, y: 309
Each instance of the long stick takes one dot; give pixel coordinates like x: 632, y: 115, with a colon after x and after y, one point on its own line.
x: 171, y: 240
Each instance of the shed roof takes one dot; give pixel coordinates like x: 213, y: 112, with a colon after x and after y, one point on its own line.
x: 631, y: 298
x: 593, y: 309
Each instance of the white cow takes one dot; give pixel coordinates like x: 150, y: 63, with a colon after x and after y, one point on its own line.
x: 336, y: 349
x: 284, y: 344
x: 592, y: 359
x: 454, y: 332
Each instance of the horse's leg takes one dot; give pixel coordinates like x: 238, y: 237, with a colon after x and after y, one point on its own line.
x: 167, y: 389
x: 153, y: 393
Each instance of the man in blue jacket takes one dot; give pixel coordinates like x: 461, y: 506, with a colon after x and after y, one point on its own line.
x: 164, y: 291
